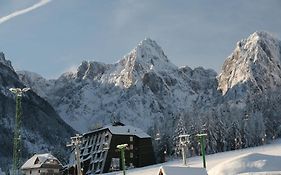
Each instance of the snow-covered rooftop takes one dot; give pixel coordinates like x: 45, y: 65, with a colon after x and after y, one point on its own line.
x: 262, y: 173
x: 123, y: 130
x: 38, y: 160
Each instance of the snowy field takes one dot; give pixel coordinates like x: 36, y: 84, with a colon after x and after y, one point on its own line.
x: 263, y: 159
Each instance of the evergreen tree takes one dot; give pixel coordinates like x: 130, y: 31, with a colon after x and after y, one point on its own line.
x: 180, y: 130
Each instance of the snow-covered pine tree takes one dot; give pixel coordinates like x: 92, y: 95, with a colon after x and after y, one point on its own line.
x: 180, y: 130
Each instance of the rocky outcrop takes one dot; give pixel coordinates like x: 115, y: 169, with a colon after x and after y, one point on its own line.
x: 255, y: 61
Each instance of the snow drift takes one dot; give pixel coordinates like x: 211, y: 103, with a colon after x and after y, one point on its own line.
x: 251, y: 162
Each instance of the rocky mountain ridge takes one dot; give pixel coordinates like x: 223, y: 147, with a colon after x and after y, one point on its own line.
x: 238, y: 108
x: 140, y: 88
x: 256, y: 60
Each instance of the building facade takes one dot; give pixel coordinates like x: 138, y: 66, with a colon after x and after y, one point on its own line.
x: 100, y: 155
x: 41, y: 164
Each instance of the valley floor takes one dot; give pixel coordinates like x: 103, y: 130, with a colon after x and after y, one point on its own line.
x: 257, y: 159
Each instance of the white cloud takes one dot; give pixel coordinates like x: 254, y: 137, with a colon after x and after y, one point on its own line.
x: 23, y: 11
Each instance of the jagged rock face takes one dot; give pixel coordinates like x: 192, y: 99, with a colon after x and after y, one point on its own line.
x: 256, y: 61
x: 7, y: 74
x: 4, y: 61
x: 42, y: 129
x: 155, y: 83
x: 90, y: 70
x: 142, y: 88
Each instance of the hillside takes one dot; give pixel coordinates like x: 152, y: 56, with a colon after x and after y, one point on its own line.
x: 42, y: 128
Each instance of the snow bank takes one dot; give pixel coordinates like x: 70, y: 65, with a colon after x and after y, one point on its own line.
x: 263, y: 173
x: 270, y: 153
x: 252, y: 162
x: 174, y: 170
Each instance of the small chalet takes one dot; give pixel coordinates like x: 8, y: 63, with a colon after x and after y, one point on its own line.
x: 41, y: 164
x: 174, y: 170
x: 99, y: 153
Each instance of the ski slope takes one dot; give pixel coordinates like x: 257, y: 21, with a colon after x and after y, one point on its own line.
x: 264, y: 159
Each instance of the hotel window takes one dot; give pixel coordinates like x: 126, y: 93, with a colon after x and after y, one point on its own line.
x: 105, y: 138
x: 131, y: 155
x: 98, y: 155
x: 131, y: 147
x: 131, y: 138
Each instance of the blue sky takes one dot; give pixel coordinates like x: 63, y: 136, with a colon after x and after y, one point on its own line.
x: 58, y: 35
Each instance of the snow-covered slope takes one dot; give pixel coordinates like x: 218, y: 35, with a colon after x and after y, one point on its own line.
x: 264, y: 159
x: 248, y: 163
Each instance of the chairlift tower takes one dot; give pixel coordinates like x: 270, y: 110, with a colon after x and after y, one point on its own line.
x: 184, y: 141
x: 122, y: 148
x: 202, y: 143
x: 76, y: 143
x: 17, y: 129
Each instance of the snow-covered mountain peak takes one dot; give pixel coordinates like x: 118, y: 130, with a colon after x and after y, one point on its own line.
x: 148, y: 42
x: 255, y: 59
x: 90, y: 70
x: 261, y: 41
x: 149, y: 50
x: 261, y: 35
x: 5, y: 62
x: 150, y: 55
x: 146, y: 57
